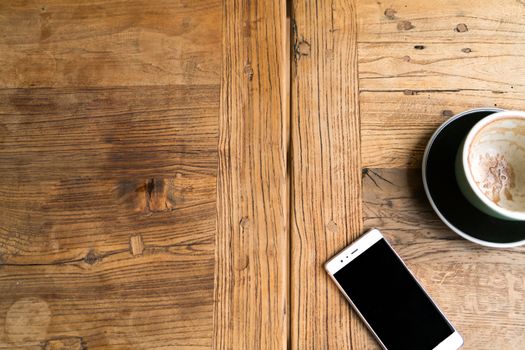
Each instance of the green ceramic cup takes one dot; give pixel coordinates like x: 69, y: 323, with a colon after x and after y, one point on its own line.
x: 490, y: 165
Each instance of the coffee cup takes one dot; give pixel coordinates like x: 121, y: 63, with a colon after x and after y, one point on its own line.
x: 490, y: 165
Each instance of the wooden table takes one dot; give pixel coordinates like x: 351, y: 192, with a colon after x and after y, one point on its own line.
x: 173, y: 174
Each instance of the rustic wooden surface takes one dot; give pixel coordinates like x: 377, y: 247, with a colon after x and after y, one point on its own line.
x: 251, y: 279
x: 419, y: 64
x: 157, y: 192
x: 422, y: 62
x: 108, y: 161
x: 109, y: 43
x: 479, y: 289
x: 326, y: 170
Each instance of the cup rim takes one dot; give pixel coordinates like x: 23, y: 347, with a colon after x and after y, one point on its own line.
x: 441, y: 216
x: 511, y: 214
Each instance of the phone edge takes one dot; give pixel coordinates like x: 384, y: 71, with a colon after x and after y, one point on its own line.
x: 442, y: 345
x: 331, y: 274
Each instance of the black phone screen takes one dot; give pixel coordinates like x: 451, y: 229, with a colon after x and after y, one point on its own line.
x: 392, y: 302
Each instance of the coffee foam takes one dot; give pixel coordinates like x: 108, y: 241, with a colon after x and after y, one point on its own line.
x: 497, y: 162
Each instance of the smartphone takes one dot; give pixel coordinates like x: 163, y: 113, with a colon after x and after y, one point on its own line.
x: 385, y: 294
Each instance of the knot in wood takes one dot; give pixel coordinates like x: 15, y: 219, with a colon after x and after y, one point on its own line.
x: 390, y: 13
x: 303, y: 48
x: 405, y: 25
x: 461, y: 28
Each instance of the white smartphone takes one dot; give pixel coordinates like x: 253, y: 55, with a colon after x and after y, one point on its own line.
x: 385, y: 294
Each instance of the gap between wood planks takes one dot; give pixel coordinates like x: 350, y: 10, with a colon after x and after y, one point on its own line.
x: 309, y: 156
x: 289, y: 53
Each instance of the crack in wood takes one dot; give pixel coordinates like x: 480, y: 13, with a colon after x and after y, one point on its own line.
x: 422, y: 91
x: 301, y: 47
x: 367, y: 173
x: 92, y: 257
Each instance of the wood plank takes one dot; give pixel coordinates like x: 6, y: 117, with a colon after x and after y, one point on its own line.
x: 108, y: 156
x: 326, y: 171
x: 480, y: 289
x: 162, y: 299
x: 416, y: 76
x: 444, y: 21
x: 109, y: 42
x: 122, y: 132
x: 73, y: 160
x: 491, y: 67
x: 108, y: 216
x: 396, y: 125
x: 252, y: 205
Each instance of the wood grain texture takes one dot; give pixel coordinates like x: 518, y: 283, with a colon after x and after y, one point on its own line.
x: 160, y: 300
x: 108, y: 155
x: 109, y: 43
x: 479, y: 289
x: 107, y: 217
x: 492, y: 68
x: 420, y: 63
x: 326, y: 171
x: 134, y: 214
x: 122, y: 132
x: 447, y: 21
x: 397, y: 125
x: 74, y: 160
x: 252, y: 205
